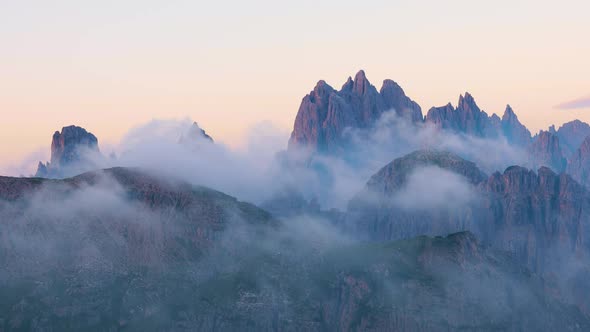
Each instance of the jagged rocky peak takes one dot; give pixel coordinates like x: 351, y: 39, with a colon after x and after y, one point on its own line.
x: 467, y: 118
x: 195, y: 134
x: 467, y: 102
x: 513, y: 130
x: 394, y: 175
x: 67, y: 145
x: 361, y: 83
x: 579, y: 163
x: 70, y: 149
x: 545, y: 150
x: 325, y: 113
x: 395, y: 98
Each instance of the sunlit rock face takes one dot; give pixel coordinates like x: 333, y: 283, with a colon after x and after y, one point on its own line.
x: 325, y: 113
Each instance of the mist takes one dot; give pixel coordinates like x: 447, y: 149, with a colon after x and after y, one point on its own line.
x: 431, y: 188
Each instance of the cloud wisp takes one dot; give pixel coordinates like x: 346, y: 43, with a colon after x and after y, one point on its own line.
x: 580, y: 103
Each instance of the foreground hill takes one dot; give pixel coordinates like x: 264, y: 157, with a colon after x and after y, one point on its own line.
x: 123, y: 249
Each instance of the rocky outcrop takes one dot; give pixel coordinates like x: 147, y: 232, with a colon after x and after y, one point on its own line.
x: 571, y: 135
x: 579, y: 163
x: 545, y: 150
x: 514, y: 131
x: 467, y: 118
x: 325, y: 113
x: 72, y: 152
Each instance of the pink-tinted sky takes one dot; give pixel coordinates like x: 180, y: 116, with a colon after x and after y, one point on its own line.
x: 111, y: 65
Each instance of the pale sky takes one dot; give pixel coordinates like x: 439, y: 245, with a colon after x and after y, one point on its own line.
x: 111, y: 65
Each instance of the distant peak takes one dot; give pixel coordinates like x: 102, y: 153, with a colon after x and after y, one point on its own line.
x: 348, y: 85
x: 387, y: 83
x: 466, y: 102
x: 360, y: 76
x: 468, y: 96
x: 361, y: 83
x: 194, y: 134
x: 319, y: 85
x: 509, y: 114
x: 322, y: 88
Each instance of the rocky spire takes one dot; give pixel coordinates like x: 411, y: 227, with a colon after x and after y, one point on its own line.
x: 70, y: 149
x: 361, y: 83
x: 513, y: 130
x: 67, y: 145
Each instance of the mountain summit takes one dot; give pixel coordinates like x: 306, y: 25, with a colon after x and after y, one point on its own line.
x: 325, y: 113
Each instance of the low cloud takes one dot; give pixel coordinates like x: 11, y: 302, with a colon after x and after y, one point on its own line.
x: 260, y: 168
x: 434, y: 188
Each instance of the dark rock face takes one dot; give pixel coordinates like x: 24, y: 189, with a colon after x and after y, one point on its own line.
x: 545, y: 150
x: 579, y: 163
x: 571, y: 135
x: 69, y: 149
x: 195, y: 134
x: 513, y: 130
x: 325, y: 113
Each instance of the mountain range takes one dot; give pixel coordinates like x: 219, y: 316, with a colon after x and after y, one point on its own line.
x: 431, y: 242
